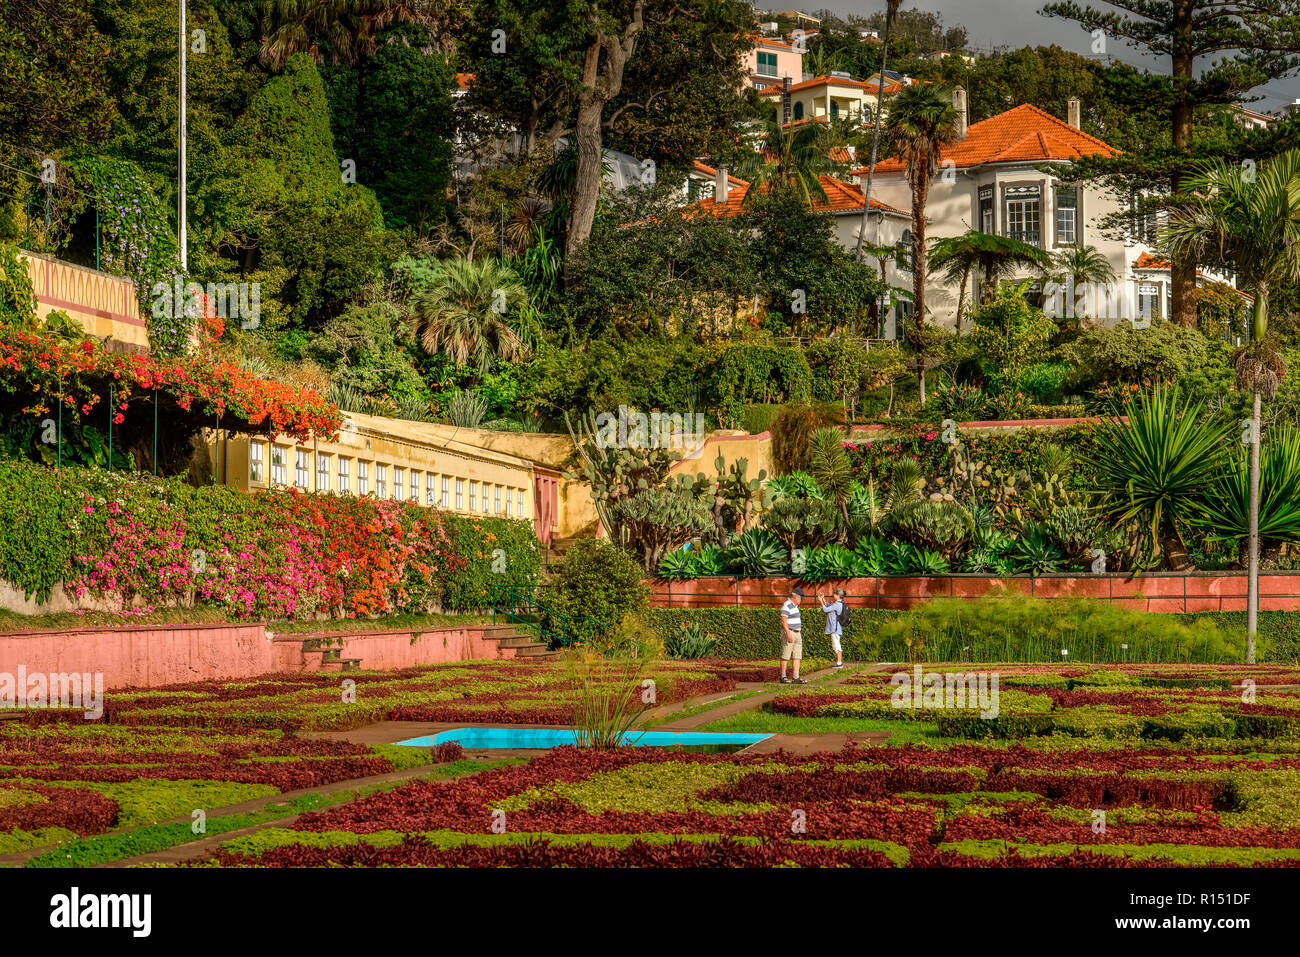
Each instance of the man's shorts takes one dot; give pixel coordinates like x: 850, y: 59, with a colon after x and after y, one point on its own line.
x: 835, y: 643
x: 792, y: 649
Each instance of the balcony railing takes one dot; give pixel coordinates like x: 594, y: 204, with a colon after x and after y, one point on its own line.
x: 1033, y: 237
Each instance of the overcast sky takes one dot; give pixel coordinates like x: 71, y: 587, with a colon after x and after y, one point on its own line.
x: 1017, y: 23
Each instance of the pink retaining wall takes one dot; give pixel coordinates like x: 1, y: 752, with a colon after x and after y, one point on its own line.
x: 1161, y: 591
x: 153, y: 655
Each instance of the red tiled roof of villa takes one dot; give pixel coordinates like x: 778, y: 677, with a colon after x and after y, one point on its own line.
x: 1022, y: 134
x: 841, y: 197
x: 776, y: 88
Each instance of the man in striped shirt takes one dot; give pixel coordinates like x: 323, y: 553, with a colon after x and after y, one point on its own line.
x: 792, y: 630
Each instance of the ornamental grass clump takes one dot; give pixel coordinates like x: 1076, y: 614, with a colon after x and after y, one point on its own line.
x: 608, y: 696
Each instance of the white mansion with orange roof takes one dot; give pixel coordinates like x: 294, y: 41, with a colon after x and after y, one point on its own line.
x: 1000, y: 177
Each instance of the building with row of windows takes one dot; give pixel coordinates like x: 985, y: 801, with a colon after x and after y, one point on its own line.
x: 392, y: 459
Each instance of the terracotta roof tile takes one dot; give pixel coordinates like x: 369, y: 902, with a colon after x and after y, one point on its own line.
x: 841, y: 197
x: 1022, y: 134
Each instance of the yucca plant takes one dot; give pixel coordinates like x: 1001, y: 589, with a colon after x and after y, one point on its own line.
x: 1226, y: 506
x: 758, y: 552
x: 829, y: 466
x: 1154, y: 467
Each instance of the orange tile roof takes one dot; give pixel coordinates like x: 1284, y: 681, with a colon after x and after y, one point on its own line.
x: 1022, y: 134
x: 841, y: 197
x: 776, y: 89
x: 1148, y: 261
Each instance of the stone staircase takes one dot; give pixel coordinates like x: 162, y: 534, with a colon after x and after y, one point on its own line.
x: 521, y: 643
x: 319, y: 655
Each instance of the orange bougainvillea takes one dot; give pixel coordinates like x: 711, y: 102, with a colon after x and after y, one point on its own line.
x: 77, y: 374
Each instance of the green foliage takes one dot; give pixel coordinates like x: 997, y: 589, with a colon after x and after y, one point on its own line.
x: 659, y: 519
x: 755, y: 633
x: 1121, y: 354
x: 596, y: 579
x: 689, y: 641
x: 1152, y: 467
x: 1029, y: 629
x: 758, y: 552
x: 1226, y: 501
x: 1009, y: 336
x: 745, y: 373
x: 802, y: 523
x: 475, y: 540
x: 939, y: 526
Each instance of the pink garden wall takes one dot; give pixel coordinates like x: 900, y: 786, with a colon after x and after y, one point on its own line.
x: 1160, y: 592
x: 150, y: 656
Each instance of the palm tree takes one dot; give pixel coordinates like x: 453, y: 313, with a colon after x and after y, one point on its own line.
x: 995, y: 257
x: 795, y: 156
x: 1248, y: 221
x: 891, y: 11
x: 348, y: 27
x: 921, y: 122
x: 474, y: 312
x: 1077, y: 267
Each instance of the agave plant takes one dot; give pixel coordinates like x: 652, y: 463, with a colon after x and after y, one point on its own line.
x: 1226, y: 503
x: 1154, y: 466
x: 466, y: 409
x: 940, y: 526
x: 758, y: 552
x: 830, y: 561
x: 873, y: 556
x: 1036, y: 554
x: 709, y: 560
x: 677, y: 566
x: 924, y: 561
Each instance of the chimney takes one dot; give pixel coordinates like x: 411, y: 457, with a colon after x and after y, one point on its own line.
x: 785, y: 100
x: 720, y: 185
x: 959, y: 104
x: 1075, y: 112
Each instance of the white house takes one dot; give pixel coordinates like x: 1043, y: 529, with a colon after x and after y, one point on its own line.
x: 1001, y: 177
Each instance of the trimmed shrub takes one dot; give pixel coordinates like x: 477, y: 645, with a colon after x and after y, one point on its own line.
x: 476, y: 541
x: 755, y: 633
x: 598, y: 579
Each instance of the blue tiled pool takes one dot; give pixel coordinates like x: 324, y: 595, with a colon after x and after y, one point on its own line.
x: 475, y: 739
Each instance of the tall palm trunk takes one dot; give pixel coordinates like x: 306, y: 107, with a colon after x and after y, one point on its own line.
x: 875, y: 134
x: 961, y: 296
x: 1252, y: 593
x: 920, y: 193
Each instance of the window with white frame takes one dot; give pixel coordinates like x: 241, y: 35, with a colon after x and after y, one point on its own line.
x: 399, y: 476
x: 1024, y: 214
x: 415, y: 486
x: 1067, y: 215
x: 485, y: 498
x: 986, y: 209
x: 460, y: 494
x: 363, y: 478
x: 345, y: 481
x: 279, y: 474
x: 256, y: 462
x: 381, y: 480
x: 1148, y: 301
x: 520, y: 500
x: 473, y: 495
x: 766, y: 64
x: 446, y: 491
x: 496, y: 497
x: 322, y: 472
x: 430, y: 484
x: 301, y: 468
x: 507, y: 501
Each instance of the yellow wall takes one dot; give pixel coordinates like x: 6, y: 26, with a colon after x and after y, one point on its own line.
x: 105, y: 305
x: 378, y: 447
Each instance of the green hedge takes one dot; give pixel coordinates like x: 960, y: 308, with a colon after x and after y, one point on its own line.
x: 476, y: 540
x: 880, y: 635
x: 752, y: 633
